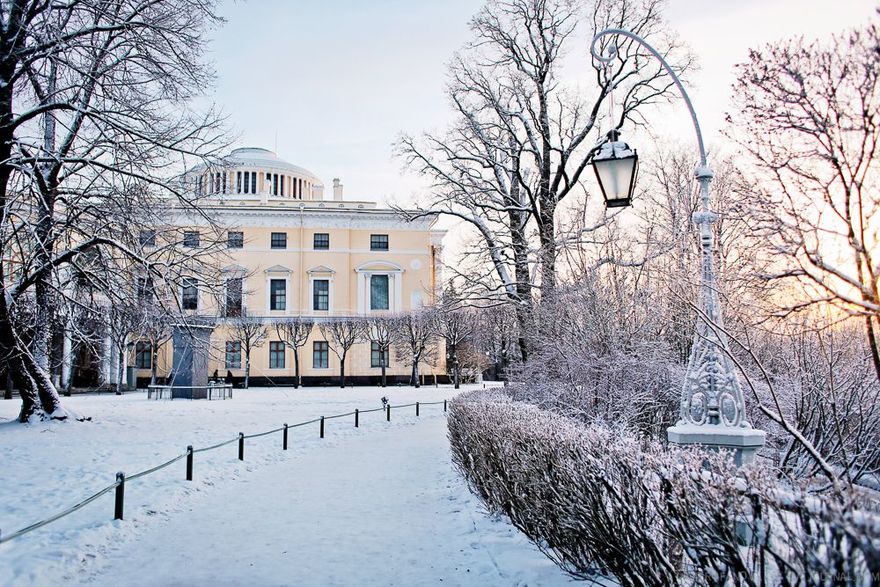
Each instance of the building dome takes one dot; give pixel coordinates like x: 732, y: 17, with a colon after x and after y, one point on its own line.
x: 265, y: 159
x: 254, y: 172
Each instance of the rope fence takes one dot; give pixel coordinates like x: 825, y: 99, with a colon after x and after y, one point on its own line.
x: 121, y: 478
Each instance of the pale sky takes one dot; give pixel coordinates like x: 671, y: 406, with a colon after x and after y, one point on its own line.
x: 337, y: 80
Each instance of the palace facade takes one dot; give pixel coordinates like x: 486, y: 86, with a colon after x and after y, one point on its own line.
x: 294, y: 251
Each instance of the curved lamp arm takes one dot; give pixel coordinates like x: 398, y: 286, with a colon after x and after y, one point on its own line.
x: 594, y: 49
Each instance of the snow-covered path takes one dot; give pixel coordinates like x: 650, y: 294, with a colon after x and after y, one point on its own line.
x: 382, y: 508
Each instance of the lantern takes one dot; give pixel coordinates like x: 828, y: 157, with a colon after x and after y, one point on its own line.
x: 616, y: 166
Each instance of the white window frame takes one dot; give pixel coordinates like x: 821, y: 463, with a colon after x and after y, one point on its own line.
x: 278, y: 272
x: 366, y: 271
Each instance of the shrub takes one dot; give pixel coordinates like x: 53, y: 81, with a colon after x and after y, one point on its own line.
x: 598, y: 500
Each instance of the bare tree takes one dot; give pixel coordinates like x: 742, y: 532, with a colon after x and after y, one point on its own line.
x: 495, y: 336
x: 456, y: 326
x: 417, y: 338
x: 125, y: 320
x: 382, y: 331
x: 523, y: 139
x: 294, y: 333
x: 251, y: 332
x: 342, y: 334
x: 156, y: 331
x: 101, y: 115
x: 807, y: 112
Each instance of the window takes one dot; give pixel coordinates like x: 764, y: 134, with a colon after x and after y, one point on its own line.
x: 322, y: 241
x: 282, y: 185
x: 277, y: 294
x: 233, y: 297
x: 321, y: 300
x: 253, y: 182
x: 145, y: 289
x: 143, y: 355
x: 247, y: 182
x: 274, y: 184
x: 235, y: 240
x: 378, y: 292
x: 320, y: 354
x: 276, y: 355
x: 238, y: 182
x: 378, y: 242
x: 279, y: 240
x: 148, y: 238
x: 376, y: 357
x: 191, y: 239
x: 233, y: 354
x: 190, y: 296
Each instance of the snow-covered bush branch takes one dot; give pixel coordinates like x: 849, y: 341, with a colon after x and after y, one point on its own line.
x: 599, y: 500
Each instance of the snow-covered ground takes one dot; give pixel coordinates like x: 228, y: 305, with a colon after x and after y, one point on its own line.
x: 377, y: 505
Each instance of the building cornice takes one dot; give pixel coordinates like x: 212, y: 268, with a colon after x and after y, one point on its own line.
x: 305, y: 217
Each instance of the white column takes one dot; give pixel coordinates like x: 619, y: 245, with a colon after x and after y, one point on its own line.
x: 66, y: 358
x: 398, y: 292
x: 106, y: 360
x: 362, y: 289
x: 113, y: 363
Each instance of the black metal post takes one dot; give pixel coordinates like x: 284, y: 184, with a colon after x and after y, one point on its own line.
x: 120, y: 495
x: 284, y: 438
x: 444, y: 406
x: 356, y: 416
x: 417, y: 408
x: 241, y: 446
x: 388, y: 414
x: 322, y: 426
x: 189, y: 463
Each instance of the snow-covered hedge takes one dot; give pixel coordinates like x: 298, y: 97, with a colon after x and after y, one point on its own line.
x: 599, y: 500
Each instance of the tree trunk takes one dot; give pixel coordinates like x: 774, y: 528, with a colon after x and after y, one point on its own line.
x: 872, y: 343
x: 455, y: 370
x: 342, y: 371
x: 518, y: 221
x: 382, y: 360
x: 121, y: 361
x: 247, y: 370
x: 37, y: 386
x: 154, y: 357
x: 415, y: 374
x: 296, y: 380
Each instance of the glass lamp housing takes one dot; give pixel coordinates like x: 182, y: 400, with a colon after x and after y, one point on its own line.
x: 616, y: 166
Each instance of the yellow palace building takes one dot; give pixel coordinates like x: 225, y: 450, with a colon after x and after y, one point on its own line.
x: 293, y: 250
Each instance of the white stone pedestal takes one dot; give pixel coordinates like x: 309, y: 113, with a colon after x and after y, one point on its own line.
x: 744, y: 442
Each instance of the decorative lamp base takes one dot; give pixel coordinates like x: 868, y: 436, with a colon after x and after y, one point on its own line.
x: 743, y: 442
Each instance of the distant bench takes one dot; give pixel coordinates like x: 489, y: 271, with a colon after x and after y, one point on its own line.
x: 211, y: 391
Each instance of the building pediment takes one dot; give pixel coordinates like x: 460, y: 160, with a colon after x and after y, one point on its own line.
x: 278, y: 269
x: 235, y: 269
x: 320, y: 269
x: 378, y: 266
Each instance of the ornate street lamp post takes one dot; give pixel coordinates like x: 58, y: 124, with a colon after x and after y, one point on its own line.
x: 712, y: 412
